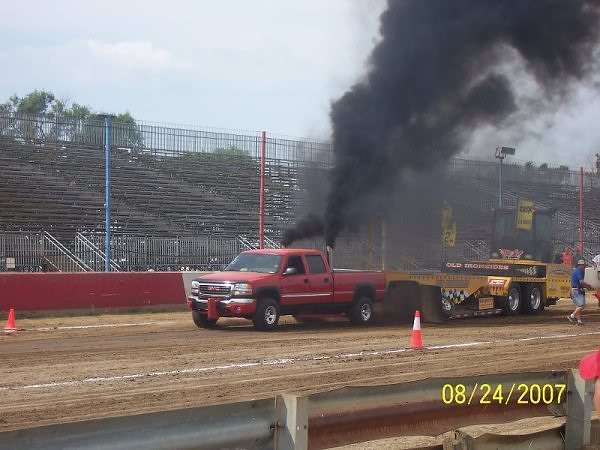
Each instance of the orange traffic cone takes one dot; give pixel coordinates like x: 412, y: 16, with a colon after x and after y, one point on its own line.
x: 10, y: 323
x: 416, y: 340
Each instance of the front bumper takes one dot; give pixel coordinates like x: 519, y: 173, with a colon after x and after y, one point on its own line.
x: 216, y: 307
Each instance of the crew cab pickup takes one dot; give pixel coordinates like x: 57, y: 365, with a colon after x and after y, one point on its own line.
x: 263, y: 285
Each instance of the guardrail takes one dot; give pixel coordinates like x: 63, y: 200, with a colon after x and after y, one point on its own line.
x: 323, y: 420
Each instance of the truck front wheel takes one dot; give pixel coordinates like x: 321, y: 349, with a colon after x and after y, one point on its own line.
x: 202, y: 321
x: 267, y: 314
x: 362, y: 311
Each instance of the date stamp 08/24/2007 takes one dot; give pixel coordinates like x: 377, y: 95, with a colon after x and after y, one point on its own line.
x: 503, y: 394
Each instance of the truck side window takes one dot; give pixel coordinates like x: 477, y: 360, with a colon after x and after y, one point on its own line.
x: 315, y: 264
x: 297, y: 263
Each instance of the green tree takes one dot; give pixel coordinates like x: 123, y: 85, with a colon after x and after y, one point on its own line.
x: 126, y: 131
x: 35, y: 103
x: 63, y: 122
x: 10, y: 106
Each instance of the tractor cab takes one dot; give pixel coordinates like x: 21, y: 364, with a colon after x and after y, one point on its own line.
x: 524, y: 233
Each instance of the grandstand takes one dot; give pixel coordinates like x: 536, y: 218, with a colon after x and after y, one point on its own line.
x: 188, y: 198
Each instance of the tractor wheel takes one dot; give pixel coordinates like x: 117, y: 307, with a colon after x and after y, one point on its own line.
x: 511, y: 304
x: 533, y: 302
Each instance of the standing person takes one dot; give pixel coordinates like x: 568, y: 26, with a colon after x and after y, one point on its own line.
x: 598, y: 164
x: 567, y: 257
x: 578, y: 287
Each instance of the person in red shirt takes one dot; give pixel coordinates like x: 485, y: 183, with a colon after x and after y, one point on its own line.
x: 567, y: 257
x: 589, y: 369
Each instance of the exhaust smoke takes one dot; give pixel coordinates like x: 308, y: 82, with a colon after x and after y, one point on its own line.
x: 439, y: 73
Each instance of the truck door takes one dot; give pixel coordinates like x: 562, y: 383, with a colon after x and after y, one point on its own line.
x: 321, y: 281
x: 295, y: 287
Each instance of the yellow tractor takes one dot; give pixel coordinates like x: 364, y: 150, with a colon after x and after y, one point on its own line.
x: 518, y: 278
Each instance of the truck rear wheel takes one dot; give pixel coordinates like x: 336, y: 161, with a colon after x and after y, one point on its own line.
x: 511, y: 304
x: 202, y: 321
x: 362, y: 311
x: 267, y: 314
x: 533, y: 302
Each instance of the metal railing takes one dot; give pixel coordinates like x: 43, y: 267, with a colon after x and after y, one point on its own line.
x: 246, y: 244
x: 336, y: 418
x: 270, y: 243
x: 252, y: 244
x: 176, y: 140
x: 60, y: 258
x: 135, y: 253
x: 159, y: 139
x: 35, y: 252
x: 27, y: 249
x: 89, y: 252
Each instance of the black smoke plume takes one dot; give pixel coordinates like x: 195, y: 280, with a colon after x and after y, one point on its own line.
x: 435, y: 77
x: 306, y: 228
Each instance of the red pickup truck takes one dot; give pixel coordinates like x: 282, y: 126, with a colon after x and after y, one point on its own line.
x: 263, y: 285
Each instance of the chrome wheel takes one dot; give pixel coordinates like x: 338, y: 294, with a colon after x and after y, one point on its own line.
x: 270, y: 315
x: 447, y: 304
x: 514, y: 299
x: 365, y: 312
x: 535, y: 299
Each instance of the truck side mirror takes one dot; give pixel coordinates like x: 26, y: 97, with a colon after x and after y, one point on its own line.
x: 290, y: 271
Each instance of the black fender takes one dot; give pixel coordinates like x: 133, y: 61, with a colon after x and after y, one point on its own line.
x: 364, y: 288
x: 271, y: 291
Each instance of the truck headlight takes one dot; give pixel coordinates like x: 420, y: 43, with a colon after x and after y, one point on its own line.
x: 241, y: 290
x: 195, y: 284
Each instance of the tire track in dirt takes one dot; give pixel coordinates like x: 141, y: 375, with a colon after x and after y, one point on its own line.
x: 76, y: 354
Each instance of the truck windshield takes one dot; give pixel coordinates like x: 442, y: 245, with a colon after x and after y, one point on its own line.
x: 254, y: 262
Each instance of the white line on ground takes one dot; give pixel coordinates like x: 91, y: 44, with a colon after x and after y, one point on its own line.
x: 106, y: 325
x: 281, y: 362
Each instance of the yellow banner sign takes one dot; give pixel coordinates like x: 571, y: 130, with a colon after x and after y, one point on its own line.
x: 525, y: 215
x: 448, y: 227
x: 449, y: 235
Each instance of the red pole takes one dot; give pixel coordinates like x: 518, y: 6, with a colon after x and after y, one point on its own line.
x: 581, y: 212
x: 261, y: 205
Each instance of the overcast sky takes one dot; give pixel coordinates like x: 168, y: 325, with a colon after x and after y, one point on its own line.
x: 260, y: 64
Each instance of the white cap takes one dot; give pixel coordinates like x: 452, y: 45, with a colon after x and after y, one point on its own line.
x: 581, y: 262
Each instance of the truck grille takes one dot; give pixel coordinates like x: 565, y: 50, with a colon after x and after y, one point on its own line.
x: 207, y: 290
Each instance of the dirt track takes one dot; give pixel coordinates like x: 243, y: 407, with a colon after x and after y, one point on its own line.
x: 60, y: 375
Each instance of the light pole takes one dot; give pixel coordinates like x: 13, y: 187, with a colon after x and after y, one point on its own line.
x: 107, y: 130
x: 501, y: 153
